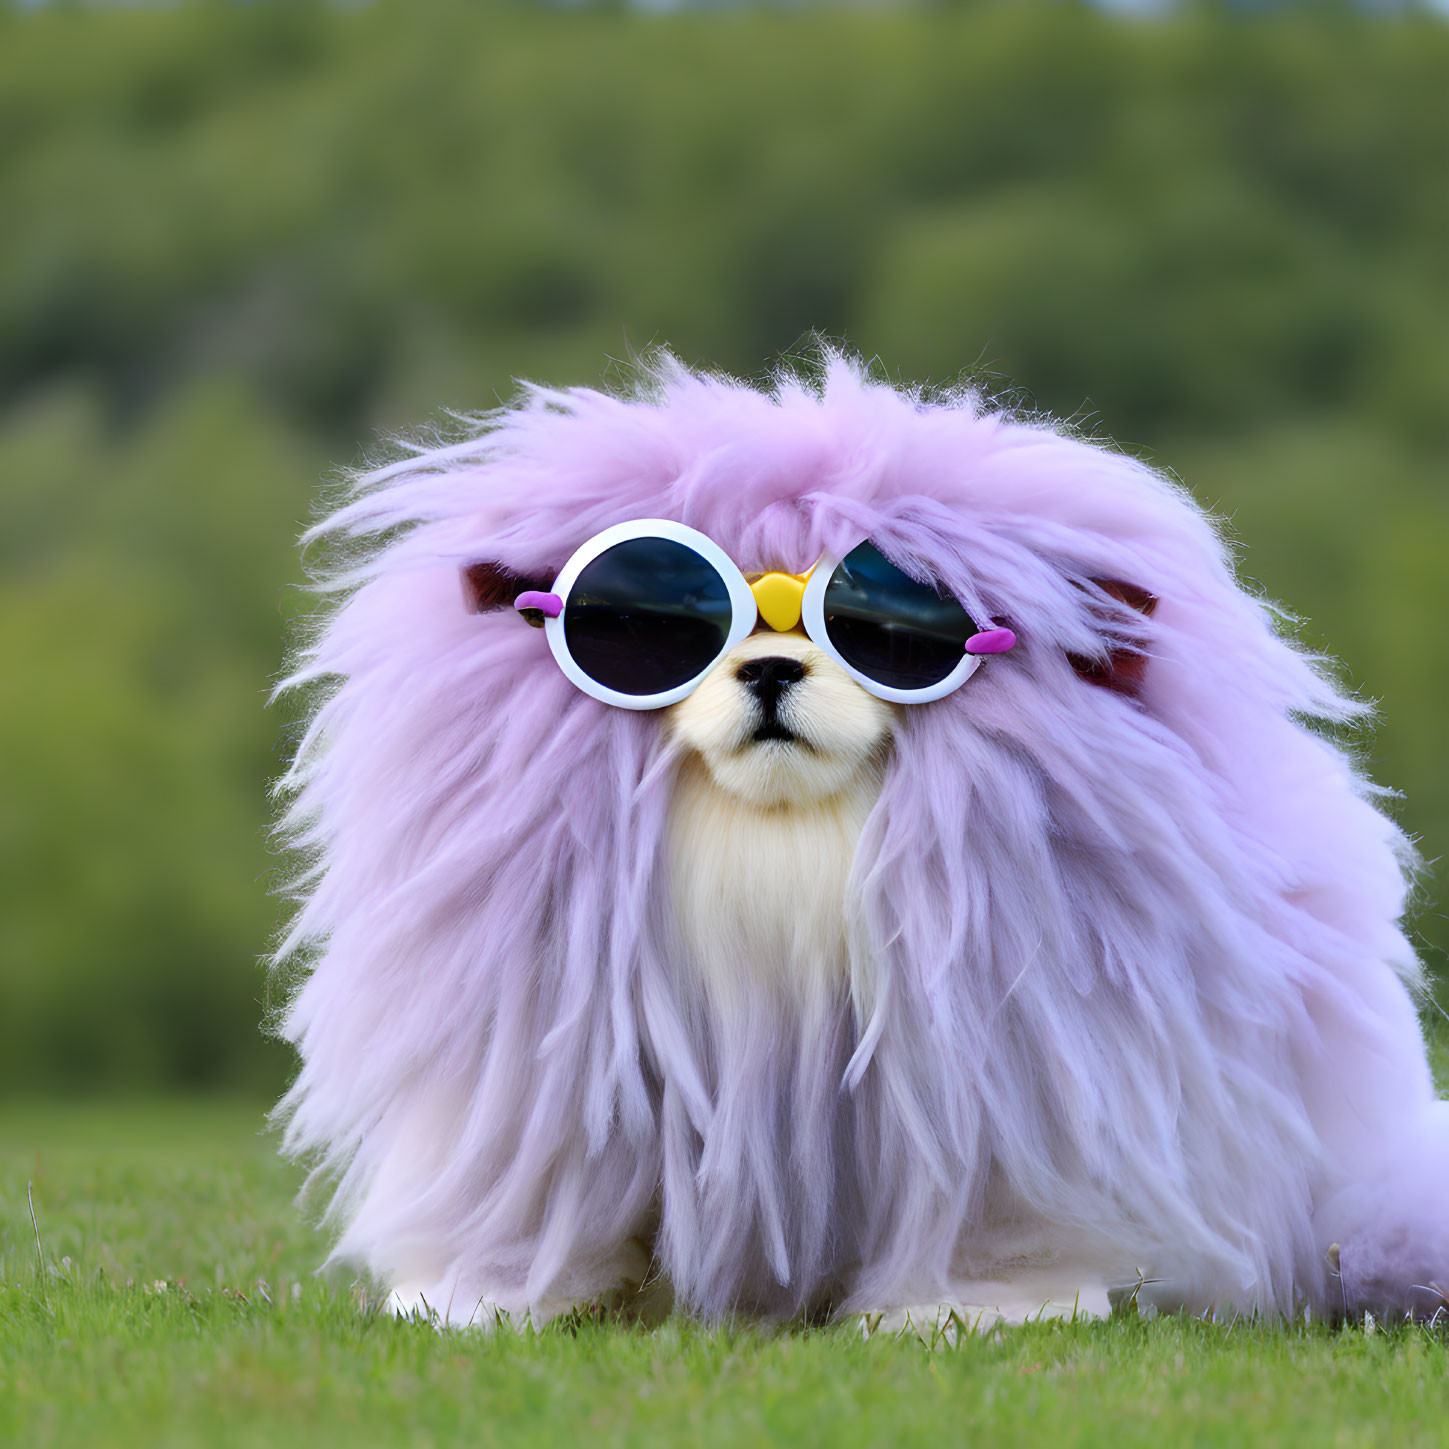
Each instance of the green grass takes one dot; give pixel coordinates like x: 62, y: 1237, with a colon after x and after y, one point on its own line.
x: 177, y: 1306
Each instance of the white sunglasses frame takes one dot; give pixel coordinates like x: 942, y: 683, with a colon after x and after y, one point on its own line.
x: 745, y: 617
x: 812, y: 617
x: 742, y: 601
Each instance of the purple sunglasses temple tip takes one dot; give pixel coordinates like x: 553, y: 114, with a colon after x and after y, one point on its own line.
x: 991, y: 641
x: 549, y: 605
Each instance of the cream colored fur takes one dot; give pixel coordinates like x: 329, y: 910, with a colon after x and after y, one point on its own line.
x: 842, y: 728
x: 762, y: 834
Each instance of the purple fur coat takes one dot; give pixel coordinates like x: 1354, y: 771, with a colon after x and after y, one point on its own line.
x: 1128, y: 1001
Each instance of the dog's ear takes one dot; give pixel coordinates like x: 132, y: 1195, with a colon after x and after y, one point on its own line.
x: 1123, y: 668
x: 488, y: 586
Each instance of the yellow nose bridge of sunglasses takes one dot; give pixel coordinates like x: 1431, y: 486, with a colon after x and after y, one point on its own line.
x: 777, y: 597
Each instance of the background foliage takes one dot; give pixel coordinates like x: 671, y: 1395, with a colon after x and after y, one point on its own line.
x: 240, y: 243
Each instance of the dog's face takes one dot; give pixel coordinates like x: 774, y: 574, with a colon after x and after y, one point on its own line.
x: 777, y: 722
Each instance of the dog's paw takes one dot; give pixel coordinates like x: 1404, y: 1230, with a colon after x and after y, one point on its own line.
x: 486, y: 1315
x: 934, y: 1324
x: 417, y: 1305
x: 938, y: 1324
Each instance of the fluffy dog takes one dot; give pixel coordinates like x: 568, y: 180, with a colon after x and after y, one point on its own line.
x: 1086, y: 976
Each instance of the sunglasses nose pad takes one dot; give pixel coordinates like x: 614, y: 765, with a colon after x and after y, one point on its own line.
x: 777, y: 597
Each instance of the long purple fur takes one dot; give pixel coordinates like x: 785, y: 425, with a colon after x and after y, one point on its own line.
x: 1134, y: 994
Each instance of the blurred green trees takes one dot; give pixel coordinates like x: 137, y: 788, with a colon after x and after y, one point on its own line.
x: 240, y: 242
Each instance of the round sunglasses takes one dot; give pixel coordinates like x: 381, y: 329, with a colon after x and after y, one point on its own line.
x: 644, y: 610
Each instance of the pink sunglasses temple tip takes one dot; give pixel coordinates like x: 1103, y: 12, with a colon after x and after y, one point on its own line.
x: 991, y: 641
x: 549, y: 605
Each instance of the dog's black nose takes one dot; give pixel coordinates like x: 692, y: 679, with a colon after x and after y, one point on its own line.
x: 770, y: 675
x: 767, y: 679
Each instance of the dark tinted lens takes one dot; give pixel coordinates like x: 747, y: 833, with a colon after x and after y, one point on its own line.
x: 647, y: 616
x: 896, y: 631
